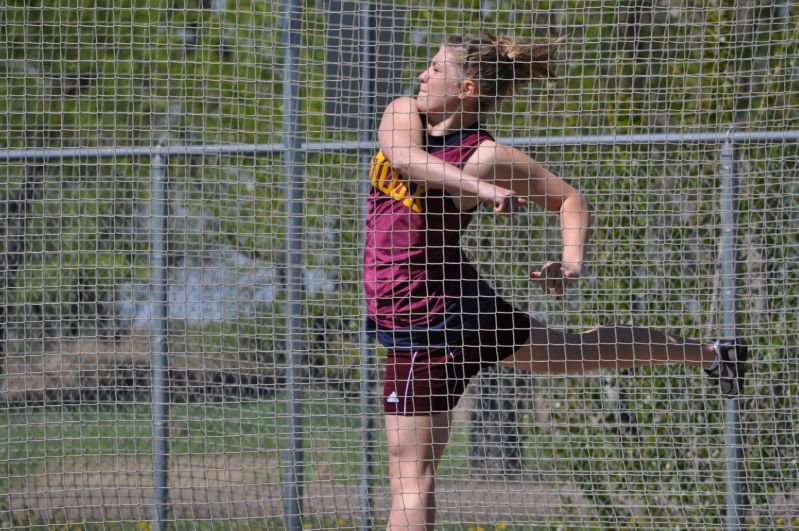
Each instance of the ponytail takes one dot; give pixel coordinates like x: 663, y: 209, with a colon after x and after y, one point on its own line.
x: 530, y: 61
x: 500, y: 65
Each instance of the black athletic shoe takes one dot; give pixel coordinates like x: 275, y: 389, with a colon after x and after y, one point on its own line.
x: 731, y: 369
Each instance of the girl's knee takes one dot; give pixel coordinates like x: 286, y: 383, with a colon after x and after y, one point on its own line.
x: 412, y: 477
x: 413, y: 496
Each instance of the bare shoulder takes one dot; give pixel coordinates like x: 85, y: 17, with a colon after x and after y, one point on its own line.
x: 401, y: 114
x: 400, y: 127
x: 489, y: 160
x: 403, y: 104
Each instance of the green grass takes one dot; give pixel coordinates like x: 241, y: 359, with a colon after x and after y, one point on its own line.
x: 32, y: 436
x: 331, y: 433
x: 35, y: 434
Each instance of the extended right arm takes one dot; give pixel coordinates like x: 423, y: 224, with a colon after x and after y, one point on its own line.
x: 400, y: 137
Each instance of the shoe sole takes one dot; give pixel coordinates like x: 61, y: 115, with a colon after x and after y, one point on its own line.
x: 736, y: 356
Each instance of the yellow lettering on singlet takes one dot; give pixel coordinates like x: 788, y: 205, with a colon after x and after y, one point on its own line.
x: 397, y: 186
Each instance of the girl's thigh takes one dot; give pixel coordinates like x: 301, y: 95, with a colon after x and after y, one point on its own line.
x: 416, y: 443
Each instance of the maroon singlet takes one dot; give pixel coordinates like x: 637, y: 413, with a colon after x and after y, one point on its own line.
x: 413, y: 263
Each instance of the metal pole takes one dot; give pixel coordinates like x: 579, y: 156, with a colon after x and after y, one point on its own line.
x: 675, y: 137
x: 367, y: 347
x: 160, y: 346
x: 732, y: 419
x: 295, y: 288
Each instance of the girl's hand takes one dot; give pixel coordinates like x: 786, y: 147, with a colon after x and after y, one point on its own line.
x: 504, y: 200
x: 555, y: 278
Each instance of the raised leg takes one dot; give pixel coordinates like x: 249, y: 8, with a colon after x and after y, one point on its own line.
x: 617, y: 347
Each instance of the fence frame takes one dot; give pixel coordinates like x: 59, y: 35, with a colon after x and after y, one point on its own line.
x: 159, y: 161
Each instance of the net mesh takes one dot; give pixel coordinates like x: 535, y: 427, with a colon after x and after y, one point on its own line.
x: 90, y: 91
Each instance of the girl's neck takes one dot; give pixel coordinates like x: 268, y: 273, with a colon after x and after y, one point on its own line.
x: 441, y: 124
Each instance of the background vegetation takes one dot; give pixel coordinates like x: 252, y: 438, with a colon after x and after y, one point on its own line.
x: 645, y: 447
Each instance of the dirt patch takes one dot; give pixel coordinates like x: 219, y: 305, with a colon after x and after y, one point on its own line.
x: 202, y: 487
x: 112, y: 488
x: 81, y: 370
x: 70, y: 368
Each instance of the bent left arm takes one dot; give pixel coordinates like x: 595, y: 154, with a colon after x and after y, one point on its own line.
x: 516, y: 170
x: 574, y: 224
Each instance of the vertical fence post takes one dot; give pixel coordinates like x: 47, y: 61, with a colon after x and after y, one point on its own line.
x: 729, y: 258
x: 159, y: 340
x: 292, y: 167
x: 366, y: 126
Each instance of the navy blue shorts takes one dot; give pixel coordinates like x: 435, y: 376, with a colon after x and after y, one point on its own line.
x: 422, y: 381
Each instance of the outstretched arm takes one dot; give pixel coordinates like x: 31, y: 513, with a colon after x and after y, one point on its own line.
x: 400, y: 137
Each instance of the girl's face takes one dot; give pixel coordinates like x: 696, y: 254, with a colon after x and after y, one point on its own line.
x: 441, y: 87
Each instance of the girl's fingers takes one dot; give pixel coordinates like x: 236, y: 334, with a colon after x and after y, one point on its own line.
x: 551, y: 277
x: 509, y: 204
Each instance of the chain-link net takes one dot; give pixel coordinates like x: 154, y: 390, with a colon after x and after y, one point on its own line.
x: 272, y: 382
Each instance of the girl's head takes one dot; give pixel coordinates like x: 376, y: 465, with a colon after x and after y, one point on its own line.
x: 473, y: 74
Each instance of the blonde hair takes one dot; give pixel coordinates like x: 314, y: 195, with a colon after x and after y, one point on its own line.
x: 500, y: 65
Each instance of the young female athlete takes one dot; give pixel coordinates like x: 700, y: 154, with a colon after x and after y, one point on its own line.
x: 438, y: 320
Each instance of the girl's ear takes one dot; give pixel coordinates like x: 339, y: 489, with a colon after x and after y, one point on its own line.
x: 468, y: 88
